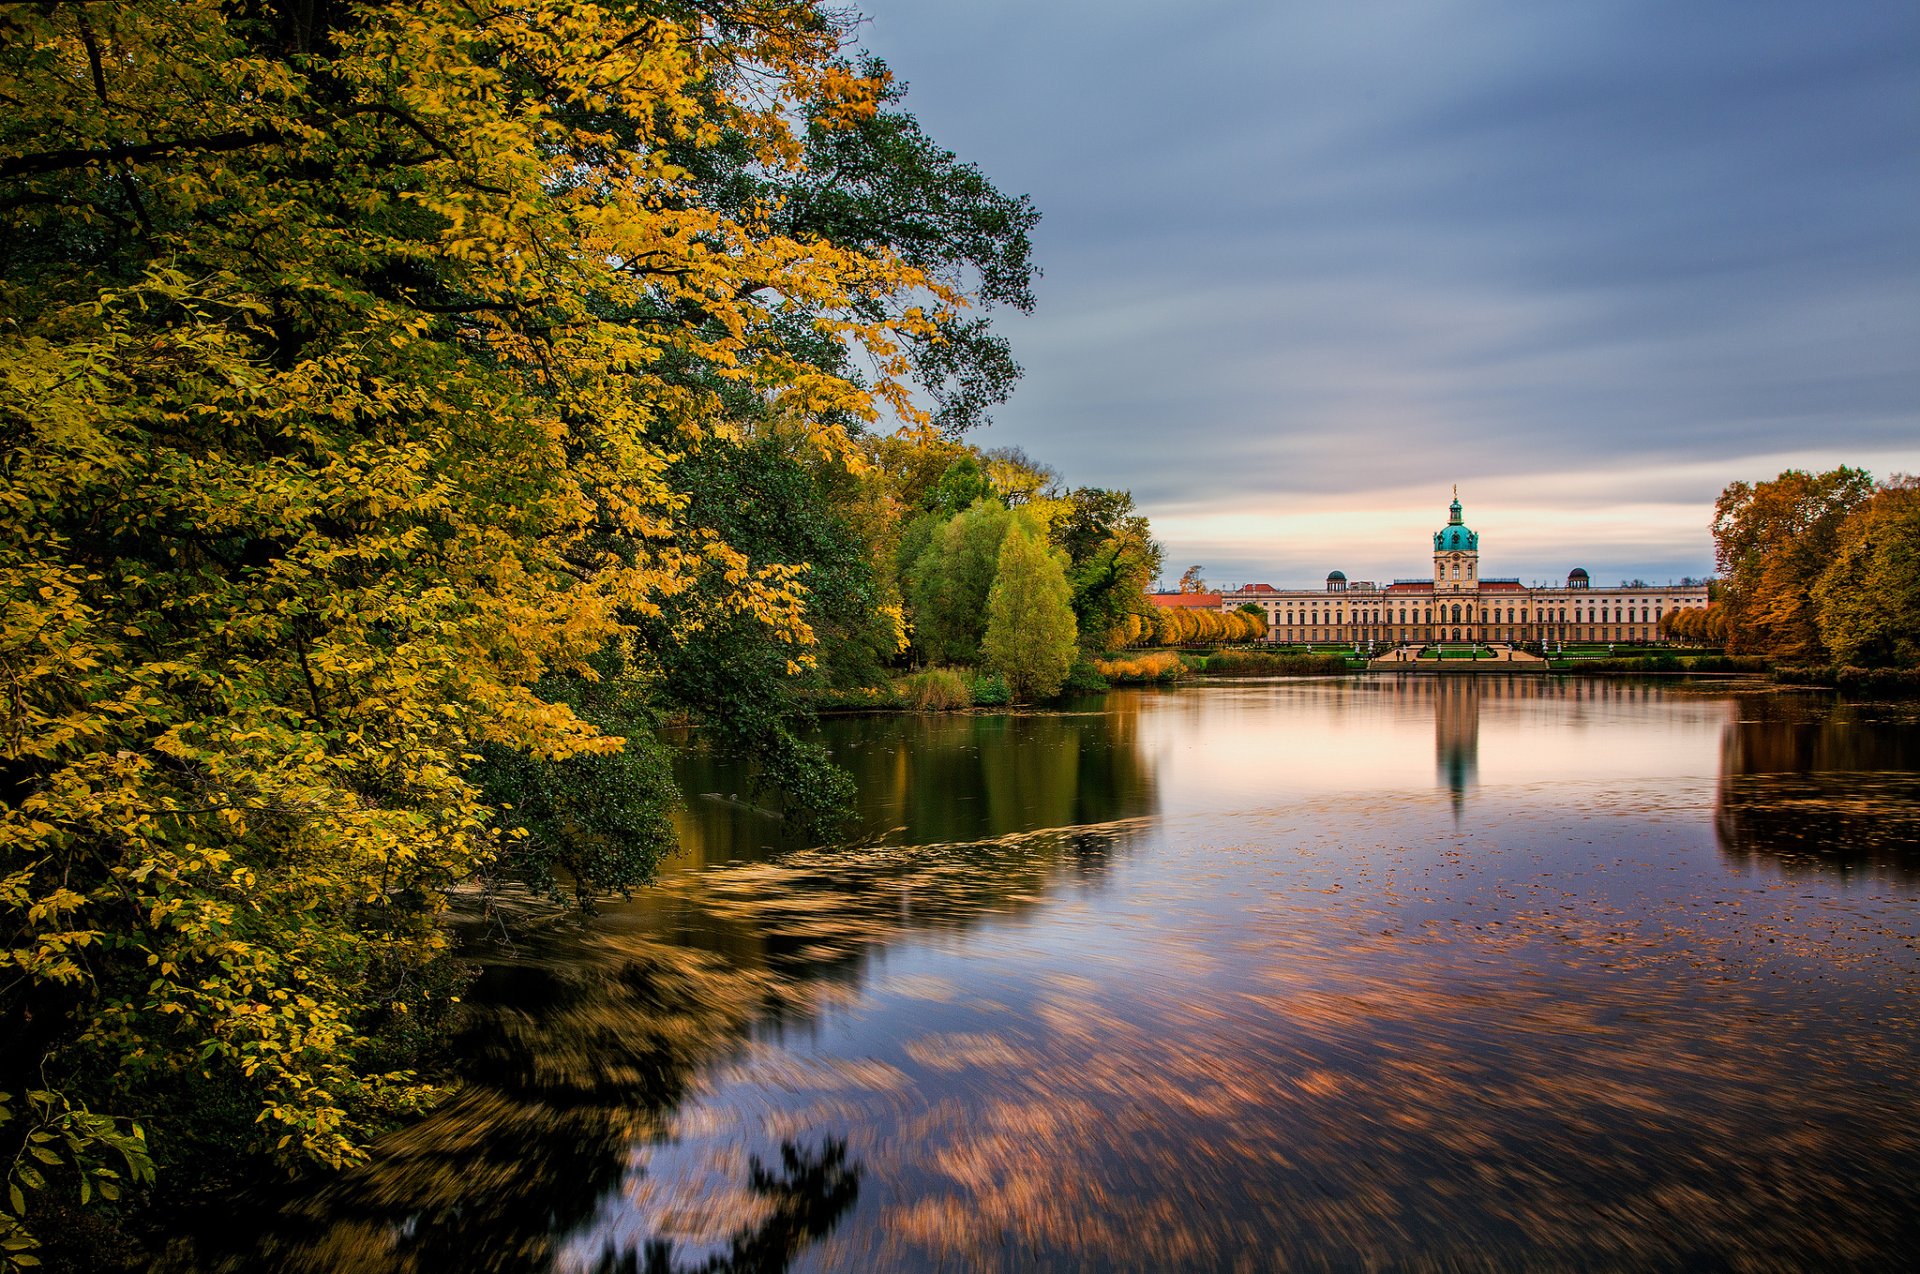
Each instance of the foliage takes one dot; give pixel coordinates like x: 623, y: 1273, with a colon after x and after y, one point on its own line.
x: 1868, y: 597
x: 1773, y: 540
x: 989, y: 690
x: 1156, y: 666
x: 1875, y: 683
x: 58, y: 1136
x: 935, y: 690
x: 1697, y: 624
x: 1112, y: 557
x: 1191, y: 580
x: 959, y: 487
x: 949, y: 581
x: 1030, y: 627
x: 872, y: 181
x: 1188, y: 626
x: 854, y: 698
x: 357, y: 361
x: 597, y: 821
x: 1017, y: 479
x: 1083, y: 678
x: 1273, y: 663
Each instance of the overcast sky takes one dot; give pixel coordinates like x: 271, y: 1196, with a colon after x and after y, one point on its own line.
x: 1307, y: 265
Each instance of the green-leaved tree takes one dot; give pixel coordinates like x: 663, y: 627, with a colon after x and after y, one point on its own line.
x: 949, y: 581
x: 1030, y: 627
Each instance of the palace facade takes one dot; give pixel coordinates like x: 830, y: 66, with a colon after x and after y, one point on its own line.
x: 1459, y: 604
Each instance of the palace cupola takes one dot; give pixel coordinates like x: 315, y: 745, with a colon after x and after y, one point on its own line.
x: 1456, y: 554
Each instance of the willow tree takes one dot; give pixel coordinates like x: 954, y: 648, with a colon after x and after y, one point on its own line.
x: 347, y: 349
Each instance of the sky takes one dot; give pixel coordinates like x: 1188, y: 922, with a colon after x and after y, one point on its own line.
x: 1309, y: 265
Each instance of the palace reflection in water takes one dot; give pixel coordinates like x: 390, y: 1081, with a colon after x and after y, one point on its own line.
x: 1213, y: 975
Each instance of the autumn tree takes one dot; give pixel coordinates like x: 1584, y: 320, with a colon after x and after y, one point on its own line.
x: 1773, y: 540
x: 1191, y: 580
x: 355, y: 358
x: 1030, y: 635
x: 1868, y: 598
x: 1018, y: 479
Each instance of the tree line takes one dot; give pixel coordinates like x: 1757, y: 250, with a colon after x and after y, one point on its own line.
x: 407, y: 409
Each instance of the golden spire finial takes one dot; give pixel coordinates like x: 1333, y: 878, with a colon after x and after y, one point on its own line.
x: 1456, y: 490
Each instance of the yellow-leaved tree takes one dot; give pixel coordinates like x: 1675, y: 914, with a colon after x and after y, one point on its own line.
x: 345, y: 353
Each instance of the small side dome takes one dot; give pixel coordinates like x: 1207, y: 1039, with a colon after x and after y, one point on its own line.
x: 1577, y: 577
x: 1336, y: 581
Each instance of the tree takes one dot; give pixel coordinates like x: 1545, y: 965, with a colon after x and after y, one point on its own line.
x: 346, y: 355
x: 959, y: 487
x: 1868, y: 598
x: 1772, y: 541
x: 1018, y: 479
x: 1112, y: 558
x: 949, y: 582
x: 873, y: 182
x: 1191, y: 580
x: 1030, y: 630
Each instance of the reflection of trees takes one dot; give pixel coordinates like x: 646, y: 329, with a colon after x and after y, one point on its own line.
x: 1818, y: 787
x: 573, y: 1059
x: 818, y: 914
x: 808, y: 1196
x: 942, y: 777
x: 584, y: 1050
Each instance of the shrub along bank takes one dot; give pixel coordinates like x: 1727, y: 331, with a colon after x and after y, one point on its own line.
x: 1866, y: 683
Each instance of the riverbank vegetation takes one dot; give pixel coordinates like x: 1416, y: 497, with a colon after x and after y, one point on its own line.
x: 406, y: 411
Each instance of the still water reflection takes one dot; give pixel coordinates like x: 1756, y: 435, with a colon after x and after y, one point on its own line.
x: 1430, y: 972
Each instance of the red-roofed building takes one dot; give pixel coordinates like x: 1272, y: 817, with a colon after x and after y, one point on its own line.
x: 1187, y: 601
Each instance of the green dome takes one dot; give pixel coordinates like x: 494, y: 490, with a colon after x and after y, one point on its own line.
x: 1455, y: 536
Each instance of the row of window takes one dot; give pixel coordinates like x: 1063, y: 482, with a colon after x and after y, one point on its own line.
x: 1492, y: 634
x: 1463, y: 613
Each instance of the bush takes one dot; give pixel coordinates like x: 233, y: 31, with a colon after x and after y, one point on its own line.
x: 1083, y: 679
x: 1159, y: 666
x: 1665, y: 663
x: 1726, y: 663
x: 1272, y: 663
x: 935, y: 690
x: 990, y: 690
x: 1877, y: 683
x: 853, y: 699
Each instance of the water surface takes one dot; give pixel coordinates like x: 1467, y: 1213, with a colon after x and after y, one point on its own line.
x: 1423, y: 972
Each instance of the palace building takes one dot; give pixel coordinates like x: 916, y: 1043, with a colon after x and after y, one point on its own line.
x: 1460, y: 604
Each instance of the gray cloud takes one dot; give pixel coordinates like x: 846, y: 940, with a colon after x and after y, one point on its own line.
x: 1338, y: 257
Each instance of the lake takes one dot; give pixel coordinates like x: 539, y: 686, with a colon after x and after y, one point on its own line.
x: 1419, y: 972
